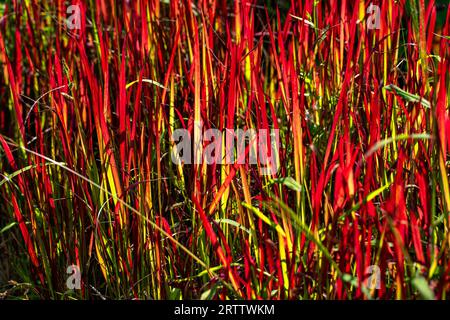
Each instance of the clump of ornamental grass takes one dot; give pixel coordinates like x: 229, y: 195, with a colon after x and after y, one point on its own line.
x: 92, y: 91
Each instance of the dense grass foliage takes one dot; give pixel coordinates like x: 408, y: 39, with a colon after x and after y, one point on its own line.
x: 86, y: 176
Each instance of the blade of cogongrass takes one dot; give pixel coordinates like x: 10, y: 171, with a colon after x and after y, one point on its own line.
x: 369, y: 197
x: 264, y: 218
x: 8, y: 177
x: 198, y: 122
x: 400, y: 137
x: 408, y: 96
x: 153, y: 224
x: 281, y: 236
x: 247, y: 196
x: 18, y: 213
x: 234, y: 224
x: 216, y: 245
x: 14, y: 90
x: 416, y: 279
x: 297, y: 132
x: 234, y: 264
x: 146, y: 81
x: 275, y: 203
x: 27, y: 237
